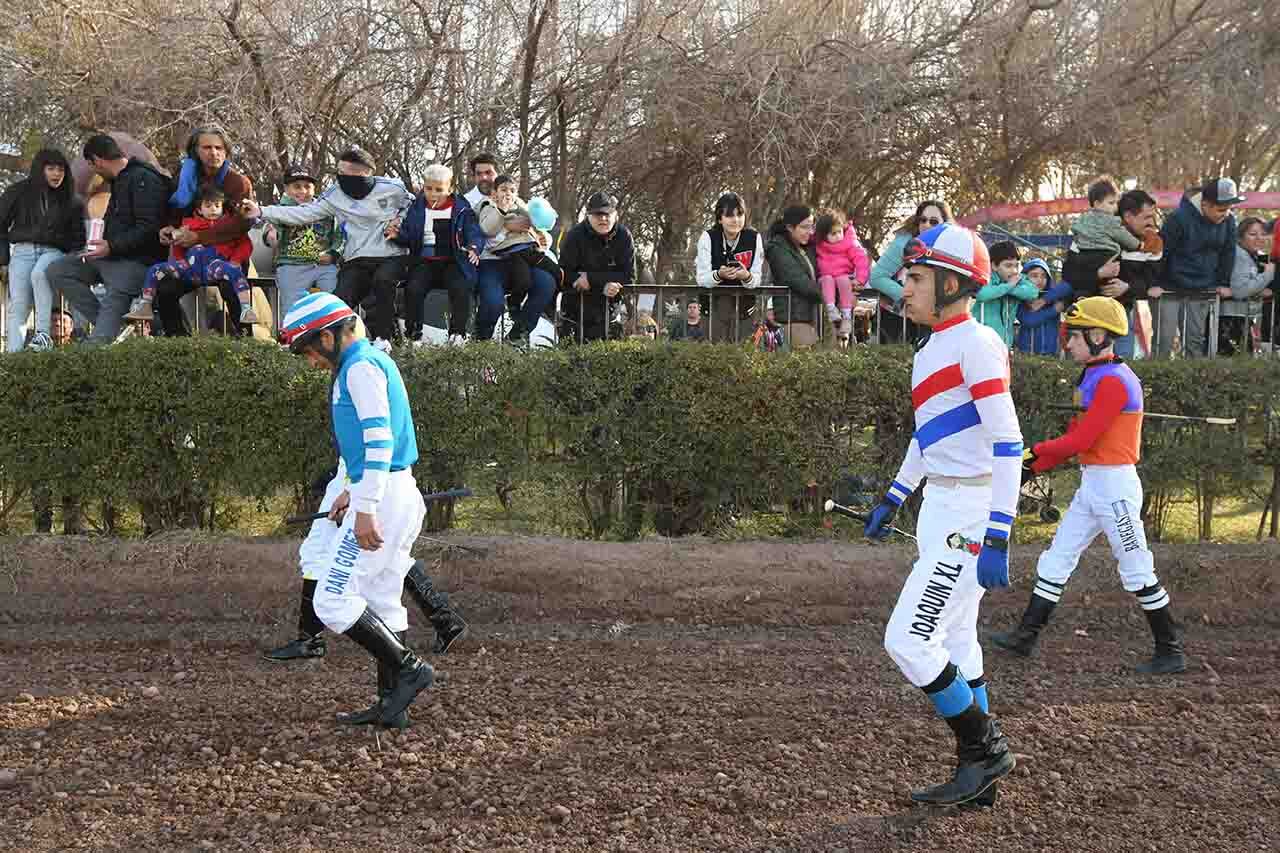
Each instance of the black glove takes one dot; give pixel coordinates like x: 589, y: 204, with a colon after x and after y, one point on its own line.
x: 1028, y: 459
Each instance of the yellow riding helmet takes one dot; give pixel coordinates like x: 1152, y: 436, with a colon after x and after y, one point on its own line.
x: 1098, y: 312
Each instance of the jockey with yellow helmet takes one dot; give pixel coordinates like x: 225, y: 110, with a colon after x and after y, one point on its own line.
x: 1107, y: 438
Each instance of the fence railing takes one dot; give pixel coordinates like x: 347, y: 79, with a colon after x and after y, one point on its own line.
x: 732, y: 312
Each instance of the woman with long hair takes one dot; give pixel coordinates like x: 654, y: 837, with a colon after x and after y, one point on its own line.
x: 885, y: 274
x: 790, y: 253
x: 40, y: 221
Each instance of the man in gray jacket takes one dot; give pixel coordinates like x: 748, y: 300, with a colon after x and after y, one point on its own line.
x: 365, y: 207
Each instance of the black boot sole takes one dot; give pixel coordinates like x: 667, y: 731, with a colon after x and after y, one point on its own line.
x: 1006, y: 642
x: 985, y: 800
x: 441, y: 648
x: 992, y: 775
x: 406, y: 690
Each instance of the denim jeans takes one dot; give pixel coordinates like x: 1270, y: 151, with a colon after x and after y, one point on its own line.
x: 28, y: 285
x: 493, y: 299
x: 122, y: 277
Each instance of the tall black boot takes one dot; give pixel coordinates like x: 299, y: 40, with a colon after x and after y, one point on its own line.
x: 410, y: 676
x: 983, y: 757
x: 310, y: 642
x: 1023, y: 639
x: 987, y: 798
x: 373, y: 714
x: 1169, y: 656
x: 449, y: 626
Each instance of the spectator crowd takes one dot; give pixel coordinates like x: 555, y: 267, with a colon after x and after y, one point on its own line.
x: 385, y: 247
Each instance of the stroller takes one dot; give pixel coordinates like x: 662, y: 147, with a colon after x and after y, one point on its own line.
x: 1036, y: 496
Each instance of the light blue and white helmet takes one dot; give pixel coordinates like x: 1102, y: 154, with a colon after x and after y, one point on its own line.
x: 310, y: 316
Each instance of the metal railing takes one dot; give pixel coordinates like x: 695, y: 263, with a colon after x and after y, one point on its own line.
x: 731, y: 314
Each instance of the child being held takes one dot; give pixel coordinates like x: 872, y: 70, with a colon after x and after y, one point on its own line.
x: 199, y: 265
x: 843, y: 267
x: 1098, y: 229
x: 510, y: 225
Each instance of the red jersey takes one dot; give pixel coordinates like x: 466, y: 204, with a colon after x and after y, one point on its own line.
x: 236, y: 251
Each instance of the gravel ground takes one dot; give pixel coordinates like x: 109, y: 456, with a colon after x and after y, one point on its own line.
x: 651, y: 696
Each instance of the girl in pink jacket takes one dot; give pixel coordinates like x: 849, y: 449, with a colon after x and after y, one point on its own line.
x: 843, y: 267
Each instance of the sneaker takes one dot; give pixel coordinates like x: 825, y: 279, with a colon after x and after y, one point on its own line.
x: 248, y: 316
x: 833, y: 314
x: 457, y: 340
x: 40, y: 342
x: 141, y: 311
x: 382, y: 344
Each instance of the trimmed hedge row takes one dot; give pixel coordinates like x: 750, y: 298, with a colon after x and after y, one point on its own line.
x: 628, y: 429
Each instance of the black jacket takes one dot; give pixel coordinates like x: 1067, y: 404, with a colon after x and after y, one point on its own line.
x: 137, y: 211
x: 603, y: 259
x: 611, y: 258
x: 795, y: 268
x: 31, y: 212
x: 1138, y: 269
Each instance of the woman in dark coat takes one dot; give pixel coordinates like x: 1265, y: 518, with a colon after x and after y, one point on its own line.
x: 791, y: 265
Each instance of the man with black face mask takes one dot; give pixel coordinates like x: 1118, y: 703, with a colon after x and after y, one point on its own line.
x: 365, y: 207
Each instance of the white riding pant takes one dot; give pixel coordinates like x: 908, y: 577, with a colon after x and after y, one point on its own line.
x: 313, y: 554
x: 353, y: 579
x: 935, y: 621
x: 1109, y: 502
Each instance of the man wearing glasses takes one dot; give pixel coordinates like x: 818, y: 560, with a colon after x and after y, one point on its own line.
x: 598, y: 259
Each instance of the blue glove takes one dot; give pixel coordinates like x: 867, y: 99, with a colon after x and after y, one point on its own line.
x: 993, y: 562
x: 878, y: 521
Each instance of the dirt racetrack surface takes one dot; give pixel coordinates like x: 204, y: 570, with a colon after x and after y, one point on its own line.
x: 656, y: 696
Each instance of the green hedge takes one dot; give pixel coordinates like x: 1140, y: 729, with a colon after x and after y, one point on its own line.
x: 632, y: 433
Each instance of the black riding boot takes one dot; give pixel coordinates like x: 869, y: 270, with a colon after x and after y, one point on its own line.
x: 1023, y: 639
x: 409, y: 675
x: 449, y: 626
x: 983, y: 757
x: 373, y: 714
x: 1169, y: 656
x: 310, y: 642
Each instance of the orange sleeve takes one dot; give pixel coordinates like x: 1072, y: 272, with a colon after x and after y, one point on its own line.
x: 1109, y: 400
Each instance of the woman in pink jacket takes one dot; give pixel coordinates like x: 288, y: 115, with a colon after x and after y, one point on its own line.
x: 843, y: 267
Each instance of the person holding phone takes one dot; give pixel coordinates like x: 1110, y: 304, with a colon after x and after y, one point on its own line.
x: 729, y: 254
